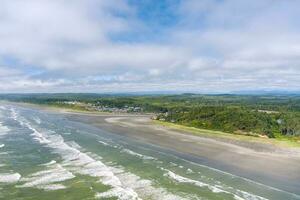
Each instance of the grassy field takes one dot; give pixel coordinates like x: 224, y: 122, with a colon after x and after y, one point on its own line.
x: 282, y: 141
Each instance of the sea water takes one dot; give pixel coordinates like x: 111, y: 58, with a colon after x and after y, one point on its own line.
x: 47, y: 156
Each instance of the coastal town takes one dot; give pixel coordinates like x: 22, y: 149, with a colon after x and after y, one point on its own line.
x: 103, y: 108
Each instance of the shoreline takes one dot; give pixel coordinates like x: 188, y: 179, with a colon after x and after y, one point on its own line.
x: 214, y: 134
x: 264, y: 163
x: 269, y: 165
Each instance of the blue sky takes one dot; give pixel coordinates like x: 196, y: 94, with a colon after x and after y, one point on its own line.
x: 202, y: 46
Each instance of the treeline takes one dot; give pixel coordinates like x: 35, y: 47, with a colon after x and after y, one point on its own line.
x: 245, y: 114
x: 240, y: 120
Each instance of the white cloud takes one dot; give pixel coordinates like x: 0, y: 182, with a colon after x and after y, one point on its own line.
x: 216, y: 45
x: 7, y: 72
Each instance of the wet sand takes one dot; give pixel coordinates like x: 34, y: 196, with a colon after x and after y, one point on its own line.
x: 262, y: 163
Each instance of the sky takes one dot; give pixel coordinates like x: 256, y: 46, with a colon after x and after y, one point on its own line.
x: 204, y: 46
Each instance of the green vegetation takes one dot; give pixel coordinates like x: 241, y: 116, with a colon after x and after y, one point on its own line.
x: 273, y: 116
x: 234, y: 119
x: 282, y: 141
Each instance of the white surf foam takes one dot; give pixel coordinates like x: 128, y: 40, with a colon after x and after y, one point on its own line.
x: 52, y: 162
x: 117, y: 192
x: 14, y: 114
x: 233, y: 176
x: 78, y: 162
x: 110, y: 145
x: 53, y: 187
x: 3, y: 129
x: 182, y: 179
x: 128, y: 151
x: 144, y: 157
x: 249, y: 196
x: 37, y: 135
x: 238, y: 195
x: 89, y: 166
x: 10, y: 178
x: 37, y: 120
x: 104, y: 143
x: 2, y: 145
x: 145, y: 188
x: 46, y: 179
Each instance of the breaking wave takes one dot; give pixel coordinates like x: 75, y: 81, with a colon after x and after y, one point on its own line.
x: 9, y: 178
x: 49, y: 163
x: 145, y: 188
x: 14, y: 114
x: 127, y: 151
x: 144, y: 157
x: 37, y: 120
x: 79, y: 162
x: 3, y: 129
x: 48, y: 179
x: 238, y: 195
x: 124, y: 185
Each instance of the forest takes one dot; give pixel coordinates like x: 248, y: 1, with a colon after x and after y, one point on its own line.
x: 255, y: 115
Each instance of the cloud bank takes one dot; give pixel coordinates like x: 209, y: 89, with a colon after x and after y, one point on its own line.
x: 123, y: 46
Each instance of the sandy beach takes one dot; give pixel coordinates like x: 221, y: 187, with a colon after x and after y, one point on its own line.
x: 263, y: 163
x: 133, y: 155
